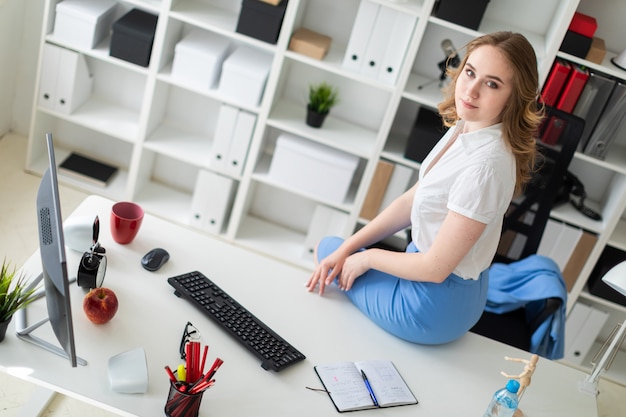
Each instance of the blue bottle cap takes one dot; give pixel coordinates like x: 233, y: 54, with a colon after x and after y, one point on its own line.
x: 512, y: 385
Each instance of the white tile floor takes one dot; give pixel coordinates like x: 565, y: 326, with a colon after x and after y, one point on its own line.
x: 18, y: 240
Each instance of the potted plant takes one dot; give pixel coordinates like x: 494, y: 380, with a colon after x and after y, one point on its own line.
x: 14, y: 294
x: 322, y: 97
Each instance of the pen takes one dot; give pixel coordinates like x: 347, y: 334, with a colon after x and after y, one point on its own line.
x: 170, y: 374
x: 369, y: 388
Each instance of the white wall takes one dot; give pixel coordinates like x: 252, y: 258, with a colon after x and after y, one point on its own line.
x: 20, y: 28
x: 11, y: 12
x: 27, y: 61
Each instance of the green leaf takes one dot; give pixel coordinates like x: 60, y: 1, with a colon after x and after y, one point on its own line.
x: 322, y: 97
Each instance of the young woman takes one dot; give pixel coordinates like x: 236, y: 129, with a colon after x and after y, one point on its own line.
x: 436, y: 290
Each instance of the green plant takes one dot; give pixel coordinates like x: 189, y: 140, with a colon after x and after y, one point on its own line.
x: 14, y: 292
x: 322, y: 97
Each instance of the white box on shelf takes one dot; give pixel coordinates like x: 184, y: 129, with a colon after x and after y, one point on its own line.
x: 244, y: 74
x: 83, y: 23
x: 198, y: 58
x: 312, y: 167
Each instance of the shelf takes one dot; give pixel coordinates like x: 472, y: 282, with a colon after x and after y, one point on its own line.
x: 608, y: 304
x: 289, y: 116
x: 568, y: 214
x: 165, y: 202
x: 181, y: 144
x: 203, y: 14
x: 614, y: 159
x: 333, y: 63
x: 217, y: 19
x: 606, y: 67
x: 103, y: 116
x: 261, y: 175
x: 430, y: 94
x: 394, y: 151
x: 115, y: 189
x: 275, y: 241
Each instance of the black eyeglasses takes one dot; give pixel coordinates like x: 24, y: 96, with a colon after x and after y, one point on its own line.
x: 190, y: 333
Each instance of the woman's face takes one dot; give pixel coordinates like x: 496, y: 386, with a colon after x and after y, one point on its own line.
x: 483, y: 88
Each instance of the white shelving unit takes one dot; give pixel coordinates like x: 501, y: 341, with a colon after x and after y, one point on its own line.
x: 159, y: 130
x: 604, y: 181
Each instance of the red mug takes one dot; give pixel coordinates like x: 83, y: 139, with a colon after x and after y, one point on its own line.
x: 126, y: 218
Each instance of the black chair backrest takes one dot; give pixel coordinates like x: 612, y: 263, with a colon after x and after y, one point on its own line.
x: 557, y: 143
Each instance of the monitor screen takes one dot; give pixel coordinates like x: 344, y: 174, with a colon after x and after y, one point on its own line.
x: 52, y: 250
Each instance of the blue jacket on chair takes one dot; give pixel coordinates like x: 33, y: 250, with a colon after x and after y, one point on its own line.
x: 527, y: 283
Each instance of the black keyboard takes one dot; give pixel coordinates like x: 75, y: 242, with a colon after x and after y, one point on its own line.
x: 274, y: 351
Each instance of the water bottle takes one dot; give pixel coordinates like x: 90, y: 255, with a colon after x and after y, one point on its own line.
x: 504, y: 401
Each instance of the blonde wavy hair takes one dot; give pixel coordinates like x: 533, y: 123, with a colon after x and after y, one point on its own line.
x: 522, y: 116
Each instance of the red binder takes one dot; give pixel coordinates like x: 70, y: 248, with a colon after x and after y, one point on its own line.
x: 573, y: 88
x: 555, y: 82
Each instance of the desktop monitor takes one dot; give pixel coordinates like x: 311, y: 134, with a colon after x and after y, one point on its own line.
x: 56, y: 286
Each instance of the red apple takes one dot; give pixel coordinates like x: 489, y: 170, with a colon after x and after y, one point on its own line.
x: 100, y: 305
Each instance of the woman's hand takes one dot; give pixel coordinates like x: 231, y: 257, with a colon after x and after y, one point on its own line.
x: 337, y: 265
x: 355, y: 265
x: 326, y: 271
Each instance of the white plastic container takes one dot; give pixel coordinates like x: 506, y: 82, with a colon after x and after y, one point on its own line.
x: 244, y: 74
x: 312, y: 167
x: 198, y: 58
x: 83, y: 23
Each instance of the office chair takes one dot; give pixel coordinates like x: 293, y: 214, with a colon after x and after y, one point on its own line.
x: 559, y: 136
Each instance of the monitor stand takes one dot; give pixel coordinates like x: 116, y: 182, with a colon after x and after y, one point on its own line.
x: 23, y: 330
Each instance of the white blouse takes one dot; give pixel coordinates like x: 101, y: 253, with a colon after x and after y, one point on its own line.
x: 475, y: 178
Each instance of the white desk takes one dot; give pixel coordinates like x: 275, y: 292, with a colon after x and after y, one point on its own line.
x: 449, y: 380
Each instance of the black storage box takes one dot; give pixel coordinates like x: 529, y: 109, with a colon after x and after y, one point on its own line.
x: 468, y: 13
x: 609, y: 258
x: 132, y: 37
x: 426, y: 132
x: 576, y: 44
x: 261, y: 20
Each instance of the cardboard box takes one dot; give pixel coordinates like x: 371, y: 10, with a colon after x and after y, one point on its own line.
x: 198, y: 58
x: 261, y: 20
x: 244, y: 74
x: 133, y: 35
x: 83, y: 23
x: 312, y: 168
x: 597, y: 51
x: 309, y: 43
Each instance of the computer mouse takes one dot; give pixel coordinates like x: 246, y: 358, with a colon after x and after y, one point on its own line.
x: 155, y: 259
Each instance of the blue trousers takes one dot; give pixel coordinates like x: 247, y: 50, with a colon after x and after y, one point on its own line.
x: 420, y: 312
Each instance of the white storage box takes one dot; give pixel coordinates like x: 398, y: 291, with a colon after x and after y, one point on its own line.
x: 313, y: 168
x: 84, y: 23
x: 244, y: 74
x: 198, y: 58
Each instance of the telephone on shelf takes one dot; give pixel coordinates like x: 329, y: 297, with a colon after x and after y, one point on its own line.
x: 573, y: 187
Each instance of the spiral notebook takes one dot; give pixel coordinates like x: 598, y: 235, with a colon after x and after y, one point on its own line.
x: 364, y: 385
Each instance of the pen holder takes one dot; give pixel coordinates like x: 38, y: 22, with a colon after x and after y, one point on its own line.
x: 182, y: 404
